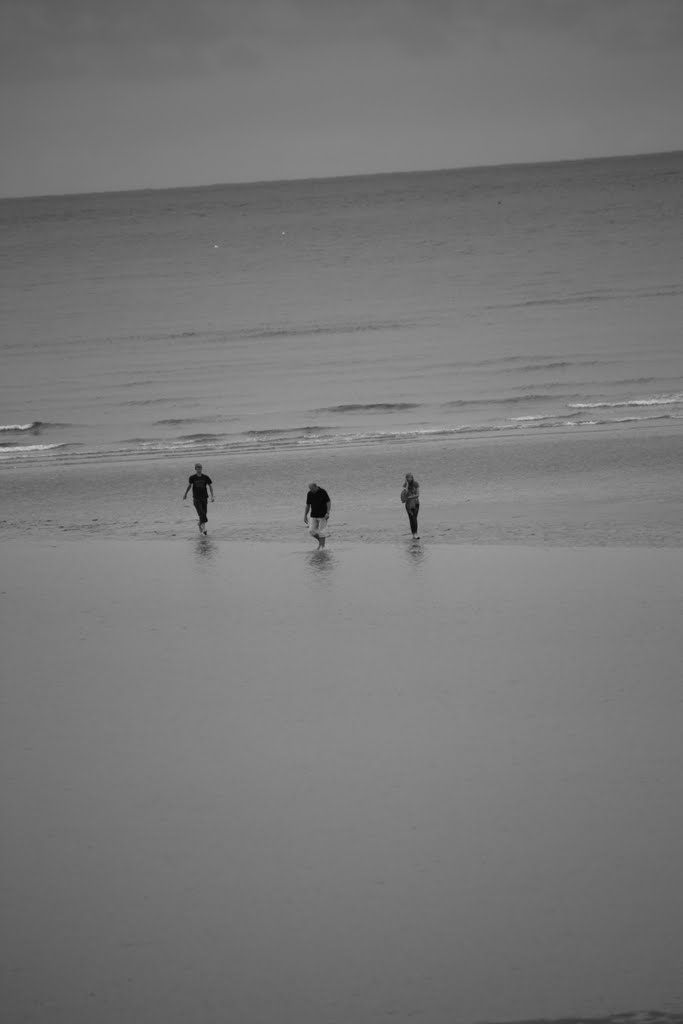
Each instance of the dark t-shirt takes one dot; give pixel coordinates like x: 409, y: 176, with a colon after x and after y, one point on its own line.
x: 200, y: 481
x: 318, y: 502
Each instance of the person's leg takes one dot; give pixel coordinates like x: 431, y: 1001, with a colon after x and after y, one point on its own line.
x: 200, y: 506
x: 313, y: 529
x: 317, y: 529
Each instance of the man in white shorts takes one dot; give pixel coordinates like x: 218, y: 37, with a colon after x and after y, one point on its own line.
x: 318, y: 504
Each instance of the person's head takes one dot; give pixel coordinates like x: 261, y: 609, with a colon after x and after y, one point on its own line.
x: 409, y: 478
x: 313, y: 488
x: 197, y: 467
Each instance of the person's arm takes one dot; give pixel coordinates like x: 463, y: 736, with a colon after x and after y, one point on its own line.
x: 211, y: 491
x: 187, y: 491
x: 306, y: 511
x: 327, y: 511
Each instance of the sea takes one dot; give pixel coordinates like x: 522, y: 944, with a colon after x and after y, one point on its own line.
x: 509, y: 332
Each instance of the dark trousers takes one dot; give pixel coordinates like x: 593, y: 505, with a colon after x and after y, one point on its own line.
x: 412, y: 517
x: 200, y: 504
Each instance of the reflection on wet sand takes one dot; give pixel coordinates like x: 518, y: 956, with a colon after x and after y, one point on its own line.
x: 205, y: 551
x: 409, y: 773
x: 322, y: 564
x: 414, y: 552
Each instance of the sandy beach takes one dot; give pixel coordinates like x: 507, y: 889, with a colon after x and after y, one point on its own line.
x: 252, y: 783
x: 565, y: 491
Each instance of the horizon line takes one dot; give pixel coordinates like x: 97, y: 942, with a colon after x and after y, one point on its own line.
x: 340, y: 177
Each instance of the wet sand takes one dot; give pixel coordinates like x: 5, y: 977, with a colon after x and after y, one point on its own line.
x: 252, y: 783
x: 563, y: 491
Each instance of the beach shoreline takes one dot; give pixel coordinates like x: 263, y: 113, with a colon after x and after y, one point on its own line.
x: 543, y: 491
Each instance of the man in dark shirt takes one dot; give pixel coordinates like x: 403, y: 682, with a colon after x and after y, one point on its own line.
x: 200, y: 483
x: 318, y: 504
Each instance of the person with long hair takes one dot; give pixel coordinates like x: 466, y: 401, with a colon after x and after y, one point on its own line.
x: 410, y: 496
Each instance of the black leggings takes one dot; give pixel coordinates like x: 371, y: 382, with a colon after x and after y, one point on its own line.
x: 412, y: 516
x: 201, y: 504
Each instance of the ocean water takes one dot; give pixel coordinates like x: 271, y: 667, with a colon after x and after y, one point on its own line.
x: 306, y: 319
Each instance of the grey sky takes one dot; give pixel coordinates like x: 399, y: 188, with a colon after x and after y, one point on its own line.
x: 152, y: 93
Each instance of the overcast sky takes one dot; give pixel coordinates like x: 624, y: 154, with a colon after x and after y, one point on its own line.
x: 118, y: 94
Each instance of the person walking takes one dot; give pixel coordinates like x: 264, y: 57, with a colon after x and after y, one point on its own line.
x: 410, y: 496
x: 318, y: 504
x: 200, y: 484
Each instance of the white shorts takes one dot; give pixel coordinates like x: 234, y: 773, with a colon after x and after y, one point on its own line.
x: 317, y: 527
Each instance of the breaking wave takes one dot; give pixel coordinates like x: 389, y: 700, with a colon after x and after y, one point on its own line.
x: 371, y: 407
x: 499, y: 420
x: 178, y: 421
x: 676, y: 399
x: 36, y: 427
x: 525, y: 399
x: 18, y: 449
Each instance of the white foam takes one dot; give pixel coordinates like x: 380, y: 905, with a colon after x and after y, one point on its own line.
x: 15, y: 448
x: 530, y: 419
x: 655, y: 400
